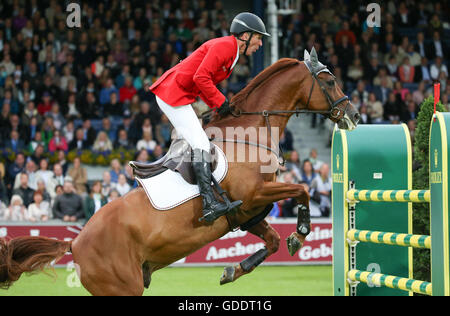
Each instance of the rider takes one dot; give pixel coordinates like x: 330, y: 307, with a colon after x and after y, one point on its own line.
x: 198, y: 75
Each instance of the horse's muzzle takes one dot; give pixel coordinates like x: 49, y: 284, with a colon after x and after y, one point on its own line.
x: 349, y: 121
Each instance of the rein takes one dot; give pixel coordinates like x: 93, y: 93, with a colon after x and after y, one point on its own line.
x: 333, y: 113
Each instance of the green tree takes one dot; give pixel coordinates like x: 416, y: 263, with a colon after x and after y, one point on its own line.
x: 421, y: 211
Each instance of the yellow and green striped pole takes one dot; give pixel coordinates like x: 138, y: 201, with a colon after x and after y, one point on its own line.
x: 379, y: 279
x: 389, y: 195
x: 405, y: 240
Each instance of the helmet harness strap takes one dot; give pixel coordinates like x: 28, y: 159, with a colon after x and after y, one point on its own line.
x: 247, y: 42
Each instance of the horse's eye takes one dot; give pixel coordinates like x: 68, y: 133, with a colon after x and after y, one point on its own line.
x: 330, y: 83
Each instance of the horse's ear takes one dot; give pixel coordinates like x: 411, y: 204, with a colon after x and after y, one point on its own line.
x: 306, y: 55
x: 314, y: 58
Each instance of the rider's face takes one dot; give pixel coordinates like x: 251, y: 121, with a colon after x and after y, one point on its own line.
x: 255, y: 43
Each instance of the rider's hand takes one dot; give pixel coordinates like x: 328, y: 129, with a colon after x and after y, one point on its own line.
x: 224, y: 109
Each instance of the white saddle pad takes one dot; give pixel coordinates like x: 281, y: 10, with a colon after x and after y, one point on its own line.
x: 168, y: 189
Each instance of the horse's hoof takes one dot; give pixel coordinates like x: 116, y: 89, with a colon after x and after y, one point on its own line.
x: 293, y: 244
x: 227, y: 276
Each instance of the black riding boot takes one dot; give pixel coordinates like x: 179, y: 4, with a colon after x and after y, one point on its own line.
x: 212, y: 209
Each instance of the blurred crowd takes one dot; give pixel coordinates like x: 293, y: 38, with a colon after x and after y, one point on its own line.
x: 68, y: 90
x: 387, y: 71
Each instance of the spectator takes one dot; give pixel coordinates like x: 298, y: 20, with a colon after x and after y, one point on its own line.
x: 410, y: 113
x: 164, y: 132
x: 3, y: 192
x: 406, y: 71
x: 419, y: 95
x: 30, y: 170
x: 355, y: 71
x: 365, y: 115
x: 127, y: 91
x: 129, y: 175
x: 287, y: 141
x: 58, y: 119
x: 79, y: 142
x: 116, y: 170
x: 307, y: 173
x: 142, y: 156
x: 57, y: 142
x: 400, y: 91
x: 24, y: 191
x: 392, y: 108
x: 123, y: 141
x: 114, y: 106
x: 73, y: 111
x: 288, y: 206
x: 88, y: 132
x: 46, y: 105
x: 43, y: 172
x: 3, y: 209
x: 107, y: 184
x: 79, y: 176
x: 57, y: 179
x: 39, y: 210
x: 437, y: 67
x: 68, y: 131
x: 293, y: 164
x: 16, y: 210
x: 15, y: 168
x: 69, y: 205
x: 108, y: 129
x: 61, y: 159
x: 122, y: 186
x: 94, y: 201
x: 375, y: 109
x: 114, y: 194
x: 35, y: 134
x: 102, y: 143
x: 321, y: 186
x: 42, y: 188
x: 9, y: 99
x: 158, y: 153
x: 15, y: 143
x: 107, y: 91
x: 313, y: 158
x: 147, y: 142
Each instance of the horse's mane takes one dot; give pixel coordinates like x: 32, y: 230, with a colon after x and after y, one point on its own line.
x: 284, y: 63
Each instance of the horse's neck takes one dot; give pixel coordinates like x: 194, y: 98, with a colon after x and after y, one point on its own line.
x: 277, y: 93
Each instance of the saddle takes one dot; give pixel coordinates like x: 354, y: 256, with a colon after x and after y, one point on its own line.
x: 178, y: 159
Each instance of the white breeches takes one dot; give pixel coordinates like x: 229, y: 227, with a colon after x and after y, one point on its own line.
x: 186, y: 123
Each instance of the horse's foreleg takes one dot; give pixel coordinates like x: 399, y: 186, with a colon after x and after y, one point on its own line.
x: 272, y: 240
x: 276, y: 191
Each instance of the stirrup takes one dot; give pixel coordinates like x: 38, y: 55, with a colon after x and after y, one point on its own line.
x: 211, y: 216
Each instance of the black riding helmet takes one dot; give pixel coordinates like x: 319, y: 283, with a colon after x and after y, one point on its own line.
x: 247, y: 22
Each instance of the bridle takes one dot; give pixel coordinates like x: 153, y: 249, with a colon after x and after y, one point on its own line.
x: 334, y: 113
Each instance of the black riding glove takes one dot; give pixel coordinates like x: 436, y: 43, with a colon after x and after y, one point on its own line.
x: 224, y: 109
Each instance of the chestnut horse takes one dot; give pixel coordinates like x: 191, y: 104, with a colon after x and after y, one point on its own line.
x: 127, y: 239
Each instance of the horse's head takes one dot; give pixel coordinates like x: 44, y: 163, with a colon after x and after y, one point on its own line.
x: 329, y: 99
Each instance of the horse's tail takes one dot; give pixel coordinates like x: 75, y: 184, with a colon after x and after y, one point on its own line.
x: 28, y: 254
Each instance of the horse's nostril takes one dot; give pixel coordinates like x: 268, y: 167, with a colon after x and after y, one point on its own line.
x: 356, y: 118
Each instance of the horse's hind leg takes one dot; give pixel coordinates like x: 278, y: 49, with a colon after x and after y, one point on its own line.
x: 105, y: 281
x: 108, y: 273
x: 272, y: 239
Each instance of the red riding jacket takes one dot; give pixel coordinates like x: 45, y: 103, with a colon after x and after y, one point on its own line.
x: 198, y: 74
